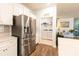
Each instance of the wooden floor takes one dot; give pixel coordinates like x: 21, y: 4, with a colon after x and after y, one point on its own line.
x: 45, y: 50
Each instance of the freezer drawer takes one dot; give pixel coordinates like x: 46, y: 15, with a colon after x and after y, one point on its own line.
x: 26, y: 50
x: 32, y: 46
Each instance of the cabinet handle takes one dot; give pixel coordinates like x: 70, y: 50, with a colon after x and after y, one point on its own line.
x: 4, y: 50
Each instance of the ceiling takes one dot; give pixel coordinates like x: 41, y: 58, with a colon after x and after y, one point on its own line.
x: 68, y: 10
x: 63, y: 9
x: 37, y: 6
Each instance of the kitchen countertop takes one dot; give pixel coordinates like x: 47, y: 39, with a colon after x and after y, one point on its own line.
x: 75, y: 37
x: 4, y: 34
x: 5, y: 37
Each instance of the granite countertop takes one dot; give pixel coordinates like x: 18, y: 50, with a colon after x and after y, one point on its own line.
x: 75, y: 37
x: 71, y: 36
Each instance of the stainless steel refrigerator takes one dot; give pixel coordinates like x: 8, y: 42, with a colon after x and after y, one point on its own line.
x: 24, y: 28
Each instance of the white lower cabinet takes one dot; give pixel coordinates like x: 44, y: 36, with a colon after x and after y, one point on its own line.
x: 68, y: 47
x: 3, y: 51
x: 12, y: 50
x: 8, y: 48
x: 46, y: 34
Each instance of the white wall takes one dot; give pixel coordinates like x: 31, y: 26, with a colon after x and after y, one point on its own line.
x: 52, y: 13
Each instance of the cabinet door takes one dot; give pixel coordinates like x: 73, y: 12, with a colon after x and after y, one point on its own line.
x: 12, y: 50
x: 8, y: 47
x: 6, y: 12
x: 4, y: 50
x: 12, y: 47
x: 1, y: 52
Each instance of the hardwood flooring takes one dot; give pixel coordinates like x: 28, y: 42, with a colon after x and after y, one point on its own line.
x: 45, y: 50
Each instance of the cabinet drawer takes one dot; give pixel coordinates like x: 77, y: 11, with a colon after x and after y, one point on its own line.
x: 32, y: 46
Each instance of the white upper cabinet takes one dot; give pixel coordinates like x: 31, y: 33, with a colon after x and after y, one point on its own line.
x: 6, y: 12
x: 8, y: 46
